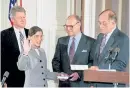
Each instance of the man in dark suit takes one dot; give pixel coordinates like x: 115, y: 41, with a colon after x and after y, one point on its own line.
x: 72, y: 49
x: 111, y: 49
x: 11, y: 46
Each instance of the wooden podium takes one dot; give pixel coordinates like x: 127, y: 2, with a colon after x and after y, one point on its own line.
x: 106, y: 76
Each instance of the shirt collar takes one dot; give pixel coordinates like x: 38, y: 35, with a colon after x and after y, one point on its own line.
x: 17, y: 30
x: 109, y: 34
x: 77, y: 37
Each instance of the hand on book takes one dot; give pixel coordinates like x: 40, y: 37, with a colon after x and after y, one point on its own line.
x: 62, y: 76
x: 94, y: 68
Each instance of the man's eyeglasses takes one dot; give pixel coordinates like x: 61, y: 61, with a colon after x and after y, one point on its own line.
x: 69, y: 26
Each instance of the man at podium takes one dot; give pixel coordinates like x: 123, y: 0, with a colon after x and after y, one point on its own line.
x: 111, y: 49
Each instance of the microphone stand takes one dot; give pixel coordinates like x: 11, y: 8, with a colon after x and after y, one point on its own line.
x: 110, y: 64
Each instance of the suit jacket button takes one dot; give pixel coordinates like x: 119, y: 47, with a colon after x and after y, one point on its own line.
x: 40, y: 60
x: 42, y: 73
x: 43, y: 79
x: 41, y: 66
x: 44, y: 85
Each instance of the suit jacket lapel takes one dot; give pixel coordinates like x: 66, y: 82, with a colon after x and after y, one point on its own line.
x: 14, y: 39
x: 107, y: 47
x: 65, y: 48
x: 26, y: 32
x: 34, y: 53
x: 79, y: 49
x: 109, y: 44
x: 98, y: 43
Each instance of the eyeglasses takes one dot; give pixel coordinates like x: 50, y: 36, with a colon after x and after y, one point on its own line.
x: 69, y: 26
x: 104, y: 23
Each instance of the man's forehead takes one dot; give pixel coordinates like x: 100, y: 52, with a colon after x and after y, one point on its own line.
x: 71, y: 20
x: 17, y: 14
x: 103, y: 17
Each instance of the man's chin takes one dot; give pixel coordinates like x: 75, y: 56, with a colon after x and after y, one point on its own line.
x: 102, y: 32
x: 22, y: 26
x: 70, y: 34
x: 37, y: 45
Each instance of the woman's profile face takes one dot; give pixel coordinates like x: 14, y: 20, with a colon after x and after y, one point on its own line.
x: 36, y: 39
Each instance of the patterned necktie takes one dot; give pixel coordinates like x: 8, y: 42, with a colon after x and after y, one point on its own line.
x: 103, y: 43
x: 72, y: 50
x: 21, y: 41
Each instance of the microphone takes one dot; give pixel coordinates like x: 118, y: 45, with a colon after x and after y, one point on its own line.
x: 116, y: 51
x: 5, y: 76
x: 109, y: 53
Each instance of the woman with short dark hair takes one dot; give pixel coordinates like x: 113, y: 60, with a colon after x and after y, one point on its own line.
x: 33, y: 60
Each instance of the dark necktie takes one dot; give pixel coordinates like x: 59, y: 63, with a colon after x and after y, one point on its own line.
x: 72, y: 50
x: 21, y: 41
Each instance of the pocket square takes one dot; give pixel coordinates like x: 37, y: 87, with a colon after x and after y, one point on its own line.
x: 84, y: 50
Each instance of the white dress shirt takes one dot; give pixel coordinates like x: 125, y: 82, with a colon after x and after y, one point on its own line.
x: 37, y: 52
x: 109, y: 35
x: 77, y: 39
x: 18, y: 35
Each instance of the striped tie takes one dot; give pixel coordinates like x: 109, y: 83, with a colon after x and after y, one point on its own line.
x: 72, y: 50
x: 103, y: 43
x: 21, y: 40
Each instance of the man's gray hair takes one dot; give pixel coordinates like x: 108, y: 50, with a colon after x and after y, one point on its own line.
x: 75, y: 17
x: 33, y: 30
x: 111, y: 15
x: 16, y: 9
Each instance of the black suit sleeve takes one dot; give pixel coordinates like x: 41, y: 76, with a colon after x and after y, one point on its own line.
x: 3, y: 53
x: 90, y: 58
x: 91, y: 53
x: 56, y: 62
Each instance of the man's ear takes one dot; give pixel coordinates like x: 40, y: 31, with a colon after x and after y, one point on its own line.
x: 79, y: 24
x: 113, y: 22
x: 12, y: 19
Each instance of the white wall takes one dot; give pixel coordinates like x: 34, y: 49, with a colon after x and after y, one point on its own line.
x: 89, y: 17
x: 4, y: 14
x: 31, y: 12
